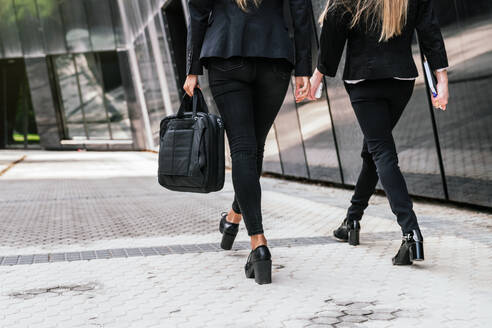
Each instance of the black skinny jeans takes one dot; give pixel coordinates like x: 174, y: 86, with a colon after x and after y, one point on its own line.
x: 378, y: 105
x: 249, y: 93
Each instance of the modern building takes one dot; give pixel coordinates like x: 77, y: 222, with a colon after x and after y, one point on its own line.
x: 101, y: 74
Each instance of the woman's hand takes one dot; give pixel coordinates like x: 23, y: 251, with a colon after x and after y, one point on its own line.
x: 302, y: 88
x: 441, y: 100
x: 315, y: 82
x: 190, y: 84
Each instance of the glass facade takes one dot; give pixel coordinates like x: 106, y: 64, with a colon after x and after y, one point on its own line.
x: 103, y: 73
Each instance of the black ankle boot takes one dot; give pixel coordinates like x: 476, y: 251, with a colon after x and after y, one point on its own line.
x: 411, y: 249
x: 229, y: 232
x: 348, y: 231
x: 259, y: 265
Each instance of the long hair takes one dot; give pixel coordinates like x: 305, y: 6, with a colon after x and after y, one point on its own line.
x: 243, y: 4
x: 390, y: 16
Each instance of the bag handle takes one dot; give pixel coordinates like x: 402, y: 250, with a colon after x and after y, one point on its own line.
x: 197, y: 104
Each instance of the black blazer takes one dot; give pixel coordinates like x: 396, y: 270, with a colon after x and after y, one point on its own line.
x: 367, y: 58
x: 219, y: 28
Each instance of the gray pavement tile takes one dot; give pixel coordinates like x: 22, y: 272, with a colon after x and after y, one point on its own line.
x: 10, y: 260
x: 41, y: 258
x: 103, y: 254
x: 118, y: 252
x: 149, y: 251
x: 88, y: 255
x: 74, y: 256
x: 26, y: 259
x: 133, y: 252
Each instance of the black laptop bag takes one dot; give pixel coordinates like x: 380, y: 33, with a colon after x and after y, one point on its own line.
x: 191, y: 154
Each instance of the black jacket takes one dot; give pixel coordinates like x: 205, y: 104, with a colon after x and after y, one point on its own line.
x: 367, y: 58
x: 219, y: 28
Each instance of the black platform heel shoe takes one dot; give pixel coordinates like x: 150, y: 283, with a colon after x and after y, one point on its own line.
x: 411, y: 249
x: 349, y: 231
x: 259, y: 265
x: 229, y: 232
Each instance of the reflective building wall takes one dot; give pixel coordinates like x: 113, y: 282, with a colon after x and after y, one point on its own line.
x: 103, y: 73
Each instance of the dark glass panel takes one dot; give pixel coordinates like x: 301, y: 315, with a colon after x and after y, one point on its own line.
x: 134, y: 109
x: 75, y: 22
x: 29, y: 27
x: 349, y: 135
x: 318, y: 140
x: 132, y: 11
x: 318, y: 7
x: 42, y: 101
x: 150, y: 81
x: 9, y: 35
x: 465, y: 132
x: 14, y: 104
x: 316, y: 128
x: 91, y: 92
x: 51, y: 23
x: 115, y: 96
x: 168, y: 63
x: 271, y: 161
x: 289, y: 138
x: 100, y: 25
x: 175, y: 24
x: 72, y: 107
x: 145, y: 10
x: 117, y: 24
x: 415, y: 142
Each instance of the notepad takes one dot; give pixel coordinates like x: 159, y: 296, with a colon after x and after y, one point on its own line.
x: 430, y: 79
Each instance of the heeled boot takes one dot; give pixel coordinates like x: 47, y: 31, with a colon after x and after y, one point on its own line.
x: 259, y: 265
x: 229, y: 232
x: 349, y: 231
x: 411, y: 249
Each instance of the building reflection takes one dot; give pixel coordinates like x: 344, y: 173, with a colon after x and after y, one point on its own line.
x: 101, y: 74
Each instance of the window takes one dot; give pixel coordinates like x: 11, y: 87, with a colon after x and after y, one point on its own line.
x: 91, y: 95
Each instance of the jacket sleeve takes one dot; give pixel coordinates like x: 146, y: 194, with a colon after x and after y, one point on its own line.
x: 303, y: 29
x: 430, y: 36
x: 199, y: 14
x: 333, y: 37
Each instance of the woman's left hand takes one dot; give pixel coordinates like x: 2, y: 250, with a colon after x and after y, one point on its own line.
x: 302, y: 88
x: 442, y: 98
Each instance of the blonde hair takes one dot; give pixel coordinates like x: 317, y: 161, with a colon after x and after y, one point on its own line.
x: 243, y: 4
x: 388, y: 15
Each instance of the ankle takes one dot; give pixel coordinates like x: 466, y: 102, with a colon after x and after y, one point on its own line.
x: 257, y: 241
x: 233, y: 217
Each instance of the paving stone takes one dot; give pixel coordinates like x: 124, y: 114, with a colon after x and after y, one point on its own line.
x: 359, y: 305
x: 381, y: 316
x: 346, y: 325
x: 354, y: 318
x: 357, y: 311
x: 325, y: 320
x: 330, y: 313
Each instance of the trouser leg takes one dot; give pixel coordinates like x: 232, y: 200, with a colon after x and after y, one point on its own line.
x: 365, y: 186
x: 234, y: 101
x: 269, y: 90
x: 375, y: 117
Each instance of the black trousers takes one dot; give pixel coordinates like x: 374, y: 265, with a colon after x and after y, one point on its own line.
x: 378, y: 105
x: 249, y: 93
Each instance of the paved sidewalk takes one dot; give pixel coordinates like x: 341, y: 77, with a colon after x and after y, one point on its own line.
x: 89, y: 239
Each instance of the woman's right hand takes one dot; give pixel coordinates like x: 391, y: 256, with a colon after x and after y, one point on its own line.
x: 315, y: 82
x: 190, y: 84
x: 441, y: 100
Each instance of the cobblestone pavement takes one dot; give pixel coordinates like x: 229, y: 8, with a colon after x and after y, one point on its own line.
x: 89, y: 239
